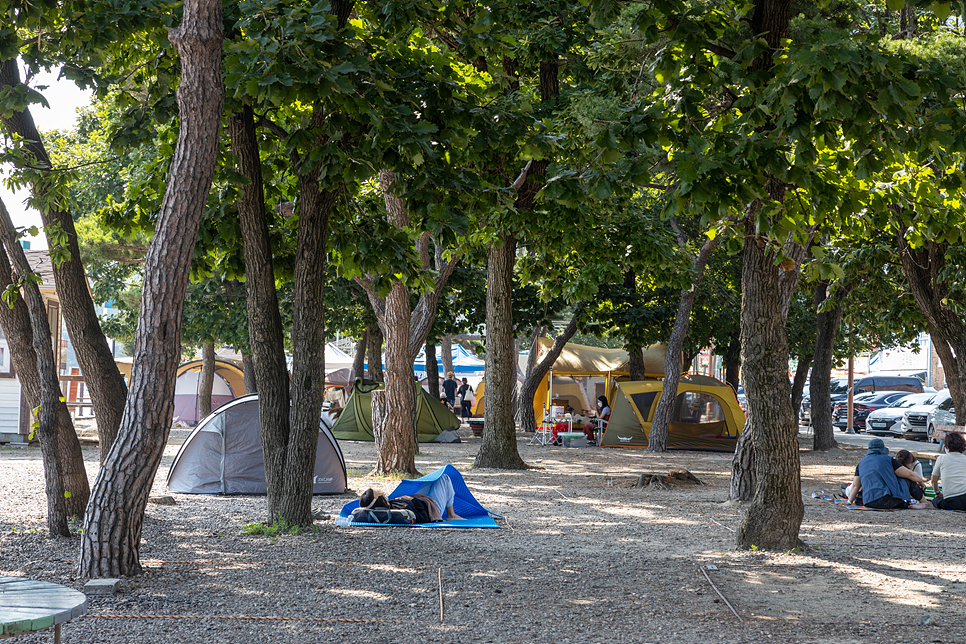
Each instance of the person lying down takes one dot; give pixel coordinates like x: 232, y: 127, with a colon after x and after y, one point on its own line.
x: 435, y: 505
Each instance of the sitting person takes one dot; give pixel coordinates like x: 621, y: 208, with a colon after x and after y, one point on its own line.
x: 876, y: 483
x: 950, y: 468
x: 435, y: 505
x: 911, y: 463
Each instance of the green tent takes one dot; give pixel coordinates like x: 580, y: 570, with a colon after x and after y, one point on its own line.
x: 355, y: 421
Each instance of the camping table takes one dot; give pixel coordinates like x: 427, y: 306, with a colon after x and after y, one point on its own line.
x: 27, y: 606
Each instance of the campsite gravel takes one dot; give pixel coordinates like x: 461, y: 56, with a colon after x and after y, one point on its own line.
x: 584, y: 556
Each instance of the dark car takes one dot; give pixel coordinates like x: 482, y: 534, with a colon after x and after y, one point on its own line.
x: 862, y: 406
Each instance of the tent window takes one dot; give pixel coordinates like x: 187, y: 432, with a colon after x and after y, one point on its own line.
x: 643, y: 403
x: 698, y: 408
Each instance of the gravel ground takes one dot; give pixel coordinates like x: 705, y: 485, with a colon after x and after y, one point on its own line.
x: 583, y: 556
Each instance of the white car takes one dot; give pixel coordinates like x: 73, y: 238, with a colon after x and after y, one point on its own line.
x: 888, y: 420
x: 943, y: 414
x: 916, y: 420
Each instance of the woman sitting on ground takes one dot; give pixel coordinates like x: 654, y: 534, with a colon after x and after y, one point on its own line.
x: 876, y: 483
x: 912, y: 464
x: 951, y: 469
x: 435, y: 505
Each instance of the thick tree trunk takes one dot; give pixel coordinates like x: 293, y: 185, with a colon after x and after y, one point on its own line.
x: 732, y: 359
x: 64, y: 472
x: 499, y: 448
x: 93, y: 352
x: 265, y: 331
x: 538, y: 332
x: 820, y: 385
x: 432, y: 370
x: 111, y: 541
x: 773, y: 519
x: 635, y: 362
x: 308, y: 340
x: 528, y: 423
x: 206, y: 379
x: 657, y: 438
x: 947, y: 359
x: 743, y: 478
x: 446, y: 350
x: 359, y: 358
x: 248, y: 364
x: 375, y: 354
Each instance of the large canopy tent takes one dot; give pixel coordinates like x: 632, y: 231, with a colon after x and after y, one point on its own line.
x: 223, y: 455
x: 464, y: 362
x: 590, y: 365
x: 706, y: 415
x: 355, y: 420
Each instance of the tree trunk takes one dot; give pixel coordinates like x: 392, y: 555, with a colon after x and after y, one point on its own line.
x: 528, y: 421
x: 206, y: 379
x: 64, y: 473
x: 732, y: 359
x: 635, y: 363
x: 657, y: 438
x: 248, y: 364
x: 111, y: 541
x: 359, y: 359
x: 820, y: 387
x: 798, y: 383
x: 91, y: 348
x: 432, y: 370
x: 499, y: 448
x: 528, y: 390
x: 947, y: 359
x: 375, y: 353
x: 265, y: 331
x: 446, y: 349
x: 773, y: 519
x: 743, y: 479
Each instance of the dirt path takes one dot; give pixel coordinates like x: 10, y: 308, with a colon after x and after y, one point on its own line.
x: 585, y: 557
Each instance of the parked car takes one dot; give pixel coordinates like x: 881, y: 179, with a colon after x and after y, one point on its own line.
x: 943, y: 414
x: 887, y: 421
x: 862, y: 384
x: 915, y: 421
x: 862, y: 406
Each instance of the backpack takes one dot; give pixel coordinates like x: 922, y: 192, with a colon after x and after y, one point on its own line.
x: 384, y: 516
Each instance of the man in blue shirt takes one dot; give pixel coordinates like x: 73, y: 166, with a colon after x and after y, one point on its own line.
x: 877, y: 480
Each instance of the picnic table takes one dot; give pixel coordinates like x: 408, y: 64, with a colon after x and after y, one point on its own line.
x: 27, y: 606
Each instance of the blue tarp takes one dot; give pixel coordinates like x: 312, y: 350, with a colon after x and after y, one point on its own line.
x: 465, y: 504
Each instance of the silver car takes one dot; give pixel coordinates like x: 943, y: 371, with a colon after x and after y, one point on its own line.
x: 916, y: 420
x: 888, y: 420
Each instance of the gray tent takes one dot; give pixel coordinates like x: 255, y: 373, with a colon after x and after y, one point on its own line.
x: 223, y: 455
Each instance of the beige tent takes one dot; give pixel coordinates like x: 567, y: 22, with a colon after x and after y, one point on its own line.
x: 586, y: 366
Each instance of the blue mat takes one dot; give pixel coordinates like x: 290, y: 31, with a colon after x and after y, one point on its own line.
x: 465, y: 504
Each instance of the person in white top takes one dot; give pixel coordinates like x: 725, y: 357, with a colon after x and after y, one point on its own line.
x: 951, y: 469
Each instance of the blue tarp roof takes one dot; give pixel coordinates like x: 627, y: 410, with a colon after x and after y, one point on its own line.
x: 465, y: 504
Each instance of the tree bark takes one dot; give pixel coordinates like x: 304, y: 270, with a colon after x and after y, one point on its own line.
x: 657, y: 438
x: 820, y: 388
x: 528, y: 391
x: 359, y: 359
x: 375, y: 354
x: 499, y: 448
x: 432, y: 370
x: 248, y: 364
x: 265, y: 331
x: 773, y: 519
x: 446, y: 349
x: 111, y: 541
x: 798, y: 383
x: 206, y: 379
x: 101, y: 375
x: 64, y: 473
x: 538, y: 332
x: 743, y: 478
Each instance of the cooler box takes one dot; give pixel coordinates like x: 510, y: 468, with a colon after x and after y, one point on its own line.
x: 573, y: 439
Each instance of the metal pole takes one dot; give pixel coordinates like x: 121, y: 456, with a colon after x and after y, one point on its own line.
x: 851, y: 429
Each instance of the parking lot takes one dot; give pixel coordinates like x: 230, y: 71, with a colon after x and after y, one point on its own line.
x: 861, y: 440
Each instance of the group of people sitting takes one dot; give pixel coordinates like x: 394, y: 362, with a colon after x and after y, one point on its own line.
x: 888, y: 483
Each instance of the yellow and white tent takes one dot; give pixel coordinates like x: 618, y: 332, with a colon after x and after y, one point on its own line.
x: 706, y: 415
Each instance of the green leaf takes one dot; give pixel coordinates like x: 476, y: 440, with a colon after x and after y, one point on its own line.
x: 896, y: 5
x: 66, y: 494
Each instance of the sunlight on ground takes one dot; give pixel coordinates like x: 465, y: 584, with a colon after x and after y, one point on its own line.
x: 363, y: 594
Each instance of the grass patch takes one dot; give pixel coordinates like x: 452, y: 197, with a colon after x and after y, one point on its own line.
x: 277, y: 528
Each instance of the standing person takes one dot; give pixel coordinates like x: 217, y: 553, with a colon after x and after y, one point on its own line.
x: 951, y: 468
x: 466, y: 399
x: 877, y: 480
x: 449, y: 390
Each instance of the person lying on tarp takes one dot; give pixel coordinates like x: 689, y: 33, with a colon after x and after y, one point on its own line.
x: 436, y: 505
